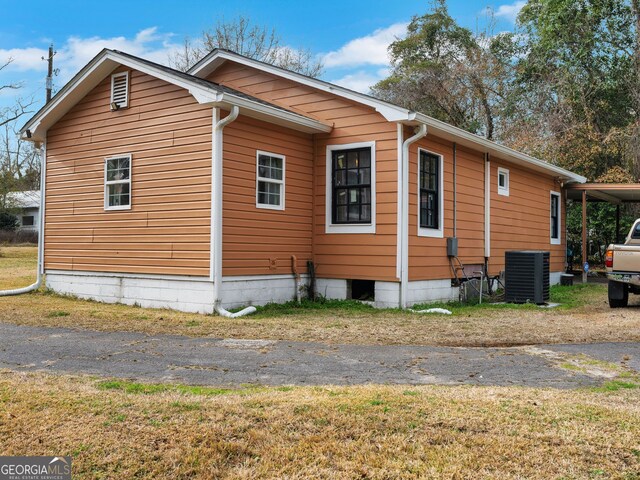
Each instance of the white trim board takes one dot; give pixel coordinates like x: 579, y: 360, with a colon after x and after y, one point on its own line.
x: 552, y: 240
x: 432, y: 232
x: 107, y: 61
x: 390, y: 112
x: 282, y: 182
x: 353, y: 227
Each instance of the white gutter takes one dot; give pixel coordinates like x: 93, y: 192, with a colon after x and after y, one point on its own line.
x: 215, y: 263
x: 487, y: 206
x: 462, y: 137
x: 40, y: 272
x: 404, y: 214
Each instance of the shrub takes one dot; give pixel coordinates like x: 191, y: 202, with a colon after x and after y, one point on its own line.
x: 8, y: 221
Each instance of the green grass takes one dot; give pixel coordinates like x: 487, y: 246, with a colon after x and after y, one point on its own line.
x: 153, y: 388
x: 616, y: 385
x: 568, y: 297
x: 308, y: 306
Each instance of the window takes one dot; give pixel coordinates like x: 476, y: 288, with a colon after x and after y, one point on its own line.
x: 119, y: 90
x: 351, y: 188
x: 117, y: 185
x: 503, y: 182
x: 555, y: 218
x: 28, y: 220
x: 430, y: 186
x: 270, y: 181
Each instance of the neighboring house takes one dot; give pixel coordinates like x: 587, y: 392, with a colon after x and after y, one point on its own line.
x: 28, y: 203
x: 307, y: 171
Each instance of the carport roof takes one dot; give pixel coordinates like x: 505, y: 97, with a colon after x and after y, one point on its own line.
x: 615, y: 193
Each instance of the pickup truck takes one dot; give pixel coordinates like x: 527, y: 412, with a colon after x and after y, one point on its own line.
x: 623, y: 268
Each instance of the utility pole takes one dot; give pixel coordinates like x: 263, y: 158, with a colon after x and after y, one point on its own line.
x: 50, y: 73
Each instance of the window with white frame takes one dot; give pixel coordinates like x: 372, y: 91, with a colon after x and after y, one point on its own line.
x: 430, y: 200
x: 555, y: 215
x: 117, y: 182
x: 270, y: 181
x: 350, y: 206
x: 119, y: 90
x: 503, y: 182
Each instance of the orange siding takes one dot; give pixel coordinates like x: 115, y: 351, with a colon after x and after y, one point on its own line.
x: 167, y: 230
x: 256, y: 240
x: 361, y: 256
x: 428, y: 256
x: 518, y: 222
x: 521, y: 221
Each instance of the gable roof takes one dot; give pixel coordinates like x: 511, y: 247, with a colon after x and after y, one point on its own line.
x: 390, y: 112
x: 25, y: 199
x: 203, y: 91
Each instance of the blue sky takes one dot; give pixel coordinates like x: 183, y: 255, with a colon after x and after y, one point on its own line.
x: 351, y: 36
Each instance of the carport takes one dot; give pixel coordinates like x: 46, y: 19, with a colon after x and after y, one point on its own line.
x: 614, y: 193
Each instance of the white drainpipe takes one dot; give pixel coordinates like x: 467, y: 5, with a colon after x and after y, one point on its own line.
x: 40, y: 273
x: 404, y: 214
x: 216, y: 212
x: 487, y: 207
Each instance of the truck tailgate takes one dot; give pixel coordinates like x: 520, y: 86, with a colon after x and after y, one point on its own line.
x: 626, y: 258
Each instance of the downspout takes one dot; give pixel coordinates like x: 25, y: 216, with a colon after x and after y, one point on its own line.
x: 216, y: 212
x: 455, y: 194
x: 40, y: 273
x: 487, y: 213
x: 404, y: 214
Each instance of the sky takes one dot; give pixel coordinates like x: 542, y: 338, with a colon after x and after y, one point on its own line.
x: 350, y: 36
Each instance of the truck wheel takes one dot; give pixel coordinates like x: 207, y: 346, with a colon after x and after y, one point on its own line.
x: 618, y: 295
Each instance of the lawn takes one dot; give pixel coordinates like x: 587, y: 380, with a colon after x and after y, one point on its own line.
x: 115, y: 429
x: 584, y: 317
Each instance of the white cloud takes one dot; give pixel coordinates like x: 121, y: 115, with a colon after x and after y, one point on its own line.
x: 368, y: 50
x: 510, y: 11
x: 23, y: 59
x: 362, y: 81
x: 77, y: 51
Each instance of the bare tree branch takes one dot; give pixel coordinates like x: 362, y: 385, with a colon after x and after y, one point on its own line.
x: 253, y: 41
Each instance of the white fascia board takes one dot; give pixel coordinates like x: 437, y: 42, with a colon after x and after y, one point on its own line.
x: 390, y: 112
x: 107, y: 61
x: 89, y: 77
x: 464, y: 138
x: 275, y: 115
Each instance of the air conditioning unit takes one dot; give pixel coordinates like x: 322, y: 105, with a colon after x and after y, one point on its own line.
x: 526, y: 277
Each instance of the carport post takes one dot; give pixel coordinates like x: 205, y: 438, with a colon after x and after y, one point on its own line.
x: 617, y: 223
x: 584, y: 235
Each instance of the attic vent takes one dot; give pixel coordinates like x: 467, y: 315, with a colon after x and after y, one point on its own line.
x: 119, y: 90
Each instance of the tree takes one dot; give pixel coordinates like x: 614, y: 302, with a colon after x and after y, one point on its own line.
x: 19, y: 108
x: 576, y: 68
x: 449, y: 72
x: 19, y: 160
x: 253, y: 41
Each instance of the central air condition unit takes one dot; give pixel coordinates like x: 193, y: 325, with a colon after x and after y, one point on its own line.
x: 526, y: 277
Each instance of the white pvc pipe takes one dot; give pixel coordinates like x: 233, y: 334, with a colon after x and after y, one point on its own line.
x: 216, y: 213
x: 404, y: 214
x: 225, y: 313
x: 38, y: 282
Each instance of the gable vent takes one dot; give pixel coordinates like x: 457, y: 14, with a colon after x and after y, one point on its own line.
x: 119, y: 90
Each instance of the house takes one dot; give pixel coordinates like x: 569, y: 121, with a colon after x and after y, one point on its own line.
x: 214, y: 188
x: 28, y: 205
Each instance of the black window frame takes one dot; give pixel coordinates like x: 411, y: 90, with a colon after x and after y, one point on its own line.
x: 436, y: 193
x: 347, y: 187
x: 33, y: 221
x: 555, y: 216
